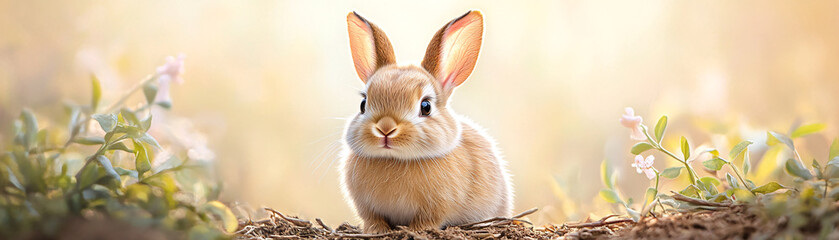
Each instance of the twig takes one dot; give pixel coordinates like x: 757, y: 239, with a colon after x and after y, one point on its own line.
x: 284, y: 237
x: 135, y: 88
x: 695, y: 201
x: 296, y: 221
x: 600, y: 223
x: 327, y: 228
x: 501, y: 219
x: 410, y: 233
x: 525, y: 213
x: 364, y: 235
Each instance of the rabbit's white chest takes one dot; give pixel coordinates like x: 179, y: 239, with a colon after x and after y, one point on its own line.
x: 400, y: 191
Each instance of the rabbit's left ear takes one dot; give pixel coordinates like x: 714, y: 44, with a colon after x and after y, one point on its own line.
x: 369, y: 45
x: 453, y: 52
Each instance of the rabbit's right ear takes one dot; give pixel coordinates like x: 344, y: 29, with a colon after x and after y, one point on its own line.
x: 369, y: 45
x: 453, y: 52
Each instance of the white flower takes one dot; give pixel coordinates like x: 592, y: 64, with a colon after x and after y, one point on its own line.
x: 645, y: 165
x: 171, y: 71
x: 633, y: 122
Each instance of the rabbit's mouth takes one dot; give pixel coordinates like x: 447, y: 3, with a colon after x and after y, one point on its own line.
x: 386, y: 143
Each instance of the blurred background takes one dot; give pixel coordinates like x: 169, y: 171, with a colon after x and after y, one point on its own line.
x: 269, y: 84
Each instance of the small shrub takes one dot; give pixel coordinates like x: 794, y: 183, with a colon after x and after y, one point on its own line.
x: 106, y: 165
x: 805, y: 205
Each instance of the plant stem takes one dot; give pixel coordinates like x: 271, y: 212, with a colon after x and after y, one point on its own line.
x: 90, y: 159
x: 825, y: 188
x: 737, y: 172
x: 691, y: 173
x: 658, y: 147
x: 110, y: 108
x: 655, y: 197
x: 133, y: 89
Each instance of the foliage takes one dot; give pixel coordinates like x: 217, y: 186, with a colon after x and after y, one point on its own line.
x: 807, y: 202
x: 106, y: 165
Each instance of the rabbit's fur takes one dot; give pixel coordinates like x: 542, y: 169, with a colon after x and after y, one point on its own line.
x: 407, y: 166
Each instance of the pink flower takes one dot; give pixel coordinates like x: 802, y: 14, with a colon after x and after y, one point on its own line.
x: 171, y: 71
x: 645, y: 165
x: 633, y: 122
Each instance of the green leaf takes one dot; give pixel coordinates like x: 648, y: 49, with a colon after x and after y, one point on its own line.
x: 141, y: 162
x: 228, y: 220
x: 131, y: 131
x: 150, y: 91
x: 610, y: 196
x: 148, y: 139
x: 129, y: 117
x: 89, y: 175
x: 747, y: 163
x: 97, y: 92
x: 107, y: 121
x: 605, y: 174
x: 749, y: 184
x: 109, y: 169
x: 166, y: 105
x: 126, y: 172
x: 660, y: 127
x: 30, y: 128
x: 818, y: 169
x: 650, y: 195
x: 685, y: 148
x: 146, y: 123
x: 41, y: 137
x: 713, y: 151
x: 719, y: 197
x: 89, y: 140
x: 831, y: 170
x: 96, y: 192
x: 13, y: 179
x: 714, y: 164
x: 731, y: 181
x: 739, y: 148
x: 73, y: 125
x: 807, y: 130
x: 710, y: 185
x: 672, y: 172
x: 640, y: 147
x: 120, y: 146
x: 795, y: 168
x: 834, y: 149
x: 773, y: 136
x: 742, y: 195
x: 710, y: 181
x: 690, y: 191
x: 768, y: 188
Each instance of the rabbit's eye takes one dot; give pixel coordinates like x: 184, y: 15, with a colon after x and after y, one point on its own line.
x: 363, y: 102
x: 425, y: 107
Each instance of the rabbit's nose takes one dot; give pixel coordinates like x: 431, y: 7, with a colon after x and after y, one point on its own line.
x: 386, y: 126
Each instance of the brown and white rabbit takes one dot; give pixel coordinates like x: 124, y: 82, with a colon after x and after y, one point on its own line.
x: 409, y: 160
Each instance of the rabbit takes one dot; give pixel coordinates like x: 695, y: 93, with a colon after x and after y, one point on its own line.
x: 408, y: 159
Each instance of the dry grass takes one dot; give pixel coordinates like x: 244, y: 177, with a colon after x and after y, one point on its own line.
x: 734, y: 221
x: 280, y: 226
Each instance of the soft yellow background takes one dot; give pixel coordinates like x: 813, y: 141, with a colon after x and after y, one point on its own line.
x: 270, y: 82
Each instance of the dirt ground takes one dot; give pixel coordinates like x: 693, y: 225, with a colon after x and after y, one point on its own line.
x: 735, y: 222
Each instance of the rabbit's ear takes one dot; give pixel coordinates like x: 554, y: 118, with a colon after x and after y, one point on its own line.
x: 369, y: 45
x: 453, y: 51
